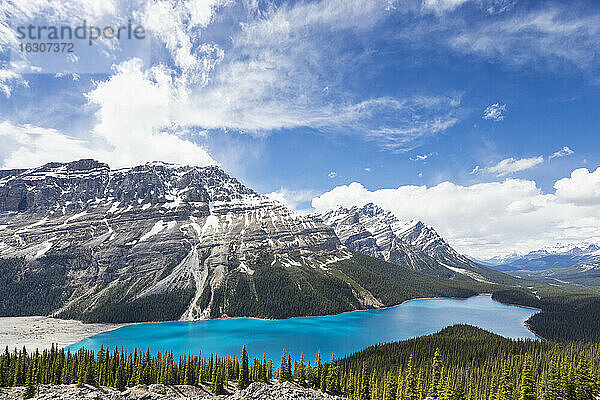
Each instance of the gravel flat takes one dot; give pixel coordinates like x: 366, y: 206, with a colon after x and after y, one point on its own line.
x: 42, y: 332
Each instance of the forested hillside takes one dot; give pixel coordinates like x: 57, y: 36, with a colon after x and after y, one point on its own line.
x: 277, y: 288
x: 568, y: 313
x: 459, y: 363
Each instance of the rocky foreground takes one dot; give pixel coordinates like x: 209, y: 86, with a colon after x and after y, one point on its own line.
x: 256, y: 390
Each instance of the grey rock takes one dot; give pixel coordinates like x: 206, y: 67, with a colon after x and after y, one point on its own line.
x: 127, y: 234
x: 256, y: 391
x: 376, y: 232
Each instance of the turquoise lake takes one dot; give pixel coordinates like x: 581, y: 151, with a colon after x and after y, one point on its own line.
x: 342, y: 333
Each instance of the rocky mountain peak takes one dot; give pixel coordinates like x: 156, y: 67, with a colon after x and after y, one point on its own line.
x: 377, y: 232
x: 159, y: 227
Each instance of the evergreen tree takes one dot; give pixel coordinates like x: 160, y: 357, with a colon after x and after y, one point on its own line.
x: 389, y: 390
x: 527, y: 391
x: 30, y: 383
x: 554, y: 385
x: 505, y: 389
x: 436, y: 375
x: 332, y: 376
x: 243, y: 379
x: 410, y: 384
x: 584, y: 381
x: 282, y: 368
x: 120, y: 377
x: 317, y: 370
x: 300, y: 371
x: 364, y: 392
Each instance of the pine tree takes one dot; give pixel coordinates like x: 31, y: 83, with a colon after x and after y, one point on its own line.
x: 527, y: 391
x: 458, y: 393
x: 584, y: 381
x: 300, y: 371
x: 505, y: 390
x: 364, y: 392
x: 216, y: 385
x: 436, y: 375
x: 243, y: 380
x: 282, y: 368
x: 30, y: 383
x: 410, y: 383
x: 317, y: 370
x: 554, y: 389
x: 332, y: 376
x: 120, y: 377
x: 389, y: 391
x: 445, y: 388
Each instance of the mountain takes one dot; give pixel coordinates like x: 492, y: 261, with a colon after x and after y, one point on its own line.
x: 165, y: 242
x: 376, y: 232
x: 557, y: 256
x: 583, y: 274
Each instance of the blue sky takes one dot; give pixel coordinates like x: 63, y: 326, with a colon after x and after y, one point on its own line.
x: 464, y: 113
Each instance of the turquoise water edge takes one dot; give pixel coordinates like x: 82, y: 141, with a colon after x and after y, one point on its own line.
x: 341, y: 333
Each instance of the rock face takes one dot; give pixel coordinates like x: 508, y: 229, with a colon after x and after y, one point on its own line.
x: 178, y: 239
x: 374, y: 231
x: 256, y: 391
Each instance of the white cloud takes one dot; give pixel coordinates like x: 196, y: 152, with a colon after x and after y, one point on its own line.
x: 582, y: 188
x: 546, y: 35
x: 130, y: 129
x: 275, y: 71
x: 442, y: 6
x: 25, y: 146
x: 511, y: 165
x: 278, y: 61
x: 486, y: 219
x: 8, y: 79
x: 421, y: 157
x: 332, y: 174
x: 565, y: 151
x: 293, y: 199
x: 495, y: 112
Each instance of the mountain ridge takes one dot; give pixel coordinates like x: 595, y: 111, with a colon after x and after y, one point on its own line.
x: 377, y: 232
x: 165, y: 242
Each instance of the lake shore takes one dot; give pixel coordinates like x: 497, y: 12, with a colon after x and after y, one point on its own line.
x: 41, y: 332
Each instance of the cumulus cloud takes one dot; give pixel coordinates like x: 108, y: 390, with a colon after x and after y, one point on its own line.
x: 297, y: 200
x: 495, y: 112
x: 565, y: 151
x: 129, y: 129
x: 491, y: 218
x: 25, y: 146
x: 581, y: 188
x: 512, y: 165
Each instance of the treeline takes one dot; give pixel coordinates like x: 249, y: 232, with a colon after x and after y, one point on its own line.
x: 568, y: 314
x: 120, y: 369
x: 467, y: 363
x: 458, y: 363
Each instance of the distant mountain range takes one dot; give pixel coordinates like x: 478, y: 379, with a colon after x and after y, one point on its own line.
x: 587, y: 274
x: 162, y: 241
x: 557, y: 256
